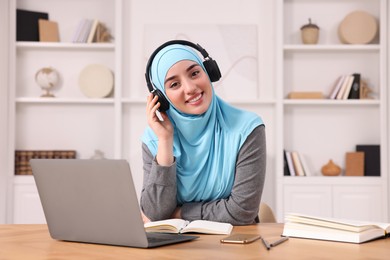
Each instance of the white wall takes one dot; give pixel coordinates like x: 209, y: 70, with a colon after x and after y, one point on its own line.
x: 3, y: 107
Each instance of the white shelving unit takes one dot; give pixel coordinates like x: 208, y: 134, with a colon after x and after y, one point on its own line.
x: 326, y: 129
x: 114, y: 125
x: 318, y: 129
x: 70, y: 114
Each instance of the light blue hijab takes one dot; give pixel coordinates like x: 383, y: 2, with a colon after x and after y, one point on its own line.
x: 205, y: 146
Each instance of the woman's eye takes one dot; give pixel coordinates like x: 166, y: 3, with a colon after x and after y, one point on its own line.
x: 195, y: 73
x: 173, y: 85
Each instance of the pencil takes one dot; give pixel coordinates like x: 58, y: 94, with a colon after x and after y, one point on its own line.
x: 279, y: 241
x: 266, y: 244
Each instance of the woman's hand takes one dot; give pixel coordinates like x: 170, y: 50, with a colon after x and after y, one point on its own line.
x: 163, y: 130
x: 144, y: 218
x: 176, y: 213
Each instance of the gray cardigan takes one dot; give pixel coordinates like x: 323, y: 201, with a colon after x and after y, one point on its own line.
x: 158, y: 196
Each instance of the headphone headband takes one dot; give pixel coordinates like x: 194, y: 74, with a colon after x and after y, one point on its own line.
x: 209, y: 64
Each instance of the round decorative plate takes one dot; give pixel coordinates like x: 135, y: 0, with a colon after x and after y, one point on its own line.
x: 358, y: 27
x: 96, y: 81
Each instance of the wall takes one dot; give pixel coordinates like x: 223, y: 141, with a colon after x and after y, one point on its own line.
x: 3, y: 107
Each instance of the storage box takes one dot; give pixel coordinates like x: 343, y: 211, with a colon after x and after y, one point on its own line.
x: 22, y: 158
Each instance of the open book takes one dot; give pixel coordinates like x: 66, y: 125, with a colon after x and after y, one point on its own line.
x: 184, y: 226
x: 304, y: 226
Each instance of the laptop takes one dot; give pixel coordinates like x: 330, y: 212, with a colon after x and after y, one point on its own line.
x: 94, y: 201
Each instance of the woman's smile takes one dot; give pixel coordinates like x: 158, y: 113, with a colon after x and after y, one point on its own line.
x: 193, y: 100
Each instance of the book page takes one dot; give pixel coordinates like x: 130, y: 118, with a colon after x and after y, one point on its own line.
x: 208, y: 227
x: 166, y: 226
x: 343, y: 224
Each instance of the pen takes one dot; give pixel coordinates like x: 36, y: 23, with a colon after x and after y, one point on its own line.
x: 266, y: 244
x: 279, y: 241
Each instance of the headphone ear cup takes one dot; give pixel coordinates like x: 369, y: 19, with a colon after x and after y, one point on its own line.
x: 164, y: 103
x: 212, y: 69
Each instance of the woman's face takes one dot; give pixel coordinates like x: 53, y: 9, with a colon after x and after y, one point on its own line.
x: 188, y: 87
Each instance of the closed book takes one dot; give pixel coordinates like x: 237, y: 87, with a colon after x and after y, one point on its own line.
x: 48, y: 31
x: 305, y: 166
x: 348, y: 80
x: 305, y: 95
x: 290, y: 164
x: 92, y: 32
x: 336, y: 87
x: 27, y: 28
x: 348, y: 87
x: 286, y: 171
x: 354, y: 164
x: 354, y: 93
x: 297, y: 164
x: 372, y: 159
x: 333, y: 229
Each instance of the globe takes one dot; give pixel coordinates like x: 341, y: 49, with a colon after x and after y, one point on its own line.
x: 47, y: 78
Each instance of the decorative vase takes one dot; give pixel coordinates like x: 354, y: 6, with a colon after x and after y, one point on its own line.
x: 331, y: 169
x: 310, y: 33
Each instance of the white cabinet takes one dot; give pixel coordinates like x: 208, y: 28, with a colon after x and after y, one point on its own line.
x: 326, y: 129
x: 359, y: 201
x: 312, y: 200
x: 27, y: 205
x: 341, y: 197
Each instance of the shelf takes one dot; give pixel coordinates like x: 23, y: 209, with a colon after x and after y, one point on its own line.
x: 331, y: 47
x: 64, y: 46
x: 332, y: 102
x: 38, y: 100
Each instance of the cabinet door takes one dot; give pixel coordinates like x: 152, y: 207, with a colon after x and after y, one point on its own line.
x: 358, y: 202
x: 27, y: 205
x: 312, y: 200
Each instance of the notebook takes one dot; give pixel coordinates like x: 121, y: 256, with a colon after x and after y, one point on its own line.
x: 94, y: 201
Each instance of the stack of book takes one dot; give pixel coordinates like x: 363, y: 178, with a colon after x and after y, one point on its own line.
x: 347, y: 87
x: 88, y: 31
x: 295, y: 164
x: 333, y: 229
x: 22, y: 158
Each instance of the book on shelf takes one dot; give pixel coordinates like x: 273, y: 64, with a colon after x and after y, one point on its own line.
x: 89, y: 31
x: 346, y: 84
x: 27, y: 28
x: 372, y: 159
x: 297, y: 164
x: 92, y: 32
x: 355, y: 89
x: 354, y: 164
x: 337, y: 86
x: 304, y: 164
x: 348, y: 87
x: 82, y: 32
x: 286, y: 170
x: 290, y: 163
x: 48, y: 31
x: 184, y: 226
x: 305, y: 95
x: 333, y: 229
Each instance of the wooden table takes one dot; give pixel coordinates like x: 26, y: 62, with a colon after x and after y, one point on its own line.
x: 34, y: 242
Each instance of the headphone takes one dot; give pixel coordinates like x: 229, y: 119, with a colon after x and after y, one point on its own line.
x: 209, y: 64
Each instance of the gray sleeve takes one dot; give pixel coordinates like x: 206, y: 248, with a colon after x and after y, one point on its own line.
x: 158, y: 195
x: 242, y: 206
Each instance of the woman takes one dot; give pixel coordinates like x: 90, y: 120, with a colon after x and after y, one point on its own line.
x: 204, y: 159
